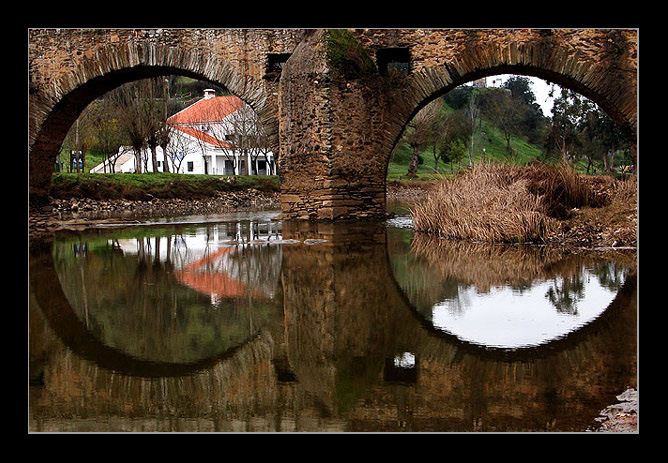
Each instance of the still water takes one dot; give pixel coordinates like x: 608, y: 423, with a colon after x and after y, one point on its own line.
x: 242, y: 323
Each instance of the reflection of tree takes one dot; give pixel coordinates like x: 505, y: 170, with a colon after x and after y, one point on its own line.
x: 610, y: 274
x: 566, y: 292
x: 431, y: 271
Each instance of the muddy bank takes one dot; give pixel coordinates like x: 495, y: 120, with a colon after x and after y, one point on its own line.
x: 82, y: 212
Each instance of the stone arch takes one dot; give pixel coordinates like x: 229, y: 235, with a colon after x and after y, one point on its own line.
x: 338, y: 129
x: 606, y: 75
x: 55, y: 106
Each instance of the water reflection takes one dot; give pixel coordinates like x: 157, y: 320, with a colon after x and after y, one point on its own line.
x: 266, y: 326
x: 471, y: 291
x: 172, y: 295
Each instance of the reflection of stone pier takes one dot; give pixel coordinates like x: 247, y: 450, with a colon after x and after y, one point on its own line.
x: 350, y: 352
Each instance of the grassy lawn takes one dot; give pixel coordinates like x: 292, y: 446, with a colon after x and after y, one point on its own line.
x: 158, y: 185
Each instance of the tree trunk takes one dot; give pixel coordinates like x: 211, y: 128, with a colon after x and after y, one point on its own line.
x: 165, y: 164
x: 154, y: 158
x: 412, y: 168
x: 138, y: 160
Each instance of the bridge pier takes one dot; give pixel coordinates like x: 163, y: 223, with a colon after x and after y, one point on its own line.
x: 332, y: 157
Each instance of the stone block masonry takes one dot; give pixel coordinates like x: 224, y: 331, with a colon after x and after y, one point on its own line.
x: 333, y: 112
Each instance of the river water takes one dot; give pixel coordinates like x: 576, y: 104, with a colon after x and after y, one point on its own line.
x: 242, y: 323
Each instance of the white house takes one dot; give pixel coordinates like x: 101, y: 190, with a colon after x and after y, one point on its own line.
x: 217, y: 135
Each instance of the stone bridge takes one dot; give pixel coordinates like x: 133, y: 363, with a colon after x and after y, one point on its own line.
x: 334, y: 102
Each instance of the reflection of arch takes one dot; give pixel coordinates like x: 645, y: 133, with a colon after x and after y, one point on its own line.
x: 45, y: 285
x: 552, y: 347
x: 467, y: 260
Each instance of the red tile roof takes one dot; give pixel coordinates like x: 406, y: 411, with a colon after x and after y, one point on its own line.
x: 205, y: 110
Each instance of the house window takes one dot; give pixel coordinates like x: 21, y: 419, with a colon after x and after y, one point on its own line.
x: 393, y: 61
x: 191, y: 166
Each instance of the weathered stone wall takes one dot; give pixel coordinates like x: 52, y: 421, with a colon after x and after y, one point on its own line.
x: 337, y: 130
x: 335, y: 121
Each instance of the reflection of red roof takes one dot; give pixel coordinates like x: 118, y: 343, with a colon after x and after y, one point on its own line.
x: 213, y: 109
x: 220, y: 284
x: 206, y: 282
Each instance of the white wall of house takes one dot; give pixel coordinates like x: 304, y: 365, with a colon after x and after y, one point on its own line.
x: 201, y: 159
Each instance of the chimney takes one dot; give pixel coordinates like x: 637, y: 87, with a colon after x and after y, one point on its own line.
x: 209, y: 93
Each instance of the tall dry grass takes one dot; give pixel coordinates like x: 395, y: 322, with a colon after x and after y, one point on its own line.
x: 502, y: 204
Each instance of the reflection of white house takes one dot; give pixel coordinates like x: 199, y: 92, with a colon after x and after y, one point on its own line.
x: 225, y: 260
x: 217, y: 135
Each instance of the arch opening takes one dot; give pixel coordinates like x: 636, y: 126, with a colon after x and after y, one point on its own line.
x: 424, y: 117
x: 59, y: 118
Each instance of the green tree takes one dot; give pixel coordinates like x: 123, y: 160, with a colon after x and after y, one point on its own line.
x: 505, y: 112
x: 453, y: 139
x: 600, y: 136
x: 566, y: 114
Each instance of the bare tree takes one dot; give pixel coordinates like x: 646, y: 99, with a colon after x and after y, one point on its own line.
x: 422, y: 131
x: 248, y: 137
x: 108, y: 139
x: 136, y: 110
x: 473, y: 115
x: 180, y: 145
x: 156, y: 116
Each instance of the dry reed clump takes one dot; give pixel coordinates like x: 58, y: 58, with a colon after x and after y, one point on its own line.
x: 502, y: 204
x: 625, y: 192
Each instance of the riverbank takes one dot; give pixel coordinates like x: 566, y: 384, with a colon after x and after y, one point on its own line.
x: 613, y: 225
x: 611, y: 222
x: 72, y: 213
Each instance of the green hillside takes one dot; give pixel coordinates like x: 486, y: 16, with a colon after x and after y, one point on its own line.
x: 488, y: 137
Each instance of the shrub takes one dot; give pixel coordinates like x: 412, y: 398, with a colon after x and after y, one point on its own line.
x: 501, y: 203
